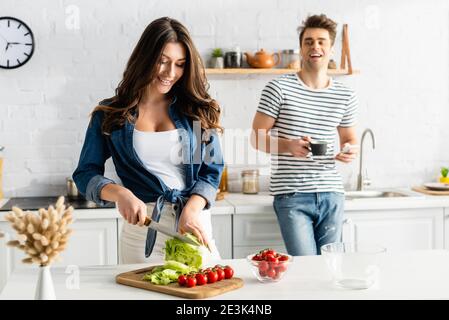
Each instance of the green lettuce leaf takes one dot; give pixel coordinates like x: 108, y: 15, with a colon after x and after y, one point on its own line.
x: 185, y: 253
x: 180, y: 258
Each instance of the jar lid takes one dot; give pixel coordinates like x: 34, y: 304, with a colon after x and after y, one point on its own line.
x: 254, y: 172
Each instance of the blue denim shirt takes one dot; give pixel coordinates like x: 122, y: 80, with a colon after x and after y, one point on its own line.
x: 202, y: 160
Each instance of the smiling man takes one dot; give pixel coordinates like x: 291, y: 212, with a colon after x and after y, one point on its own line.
x: 294, y: 110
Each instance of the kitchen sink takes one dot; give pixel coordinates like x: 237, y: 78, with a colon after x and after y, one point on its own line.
x: 370, y: 194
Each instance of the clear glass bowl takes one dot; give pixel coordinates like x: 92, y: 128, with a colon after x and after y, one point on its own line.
x: 353, y: 265
x: 266, y: 271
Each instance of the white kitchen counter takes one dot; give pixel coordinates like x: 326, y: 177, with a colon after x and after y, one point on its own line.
x: 221, y: 207
x: 407, y: 275
x: 263, y: 202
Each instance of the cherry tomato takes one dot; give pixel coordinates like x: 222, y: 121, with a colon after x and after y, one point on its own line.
x: 271, y: 273
x: 182, y: 280
x: 212, y: 277
x: 190, y: 282
x: 201, y: 279
x: 281, y: 267
x: 229, y: 272
x: 220, y: 273
x: 271, y: 251
x: 262, y: 273
x: 263, y: 266
x: 257, y: 257
x: 283, y: 258
x: 277, y: 275
x: 269, y: 257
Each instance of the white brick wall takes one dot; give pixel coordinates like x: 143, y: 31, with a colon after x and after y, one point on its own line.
x: 401, y: 48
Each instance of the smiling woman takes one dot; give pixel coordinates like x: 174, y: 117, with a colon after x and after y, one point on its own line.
x: 149, y: 130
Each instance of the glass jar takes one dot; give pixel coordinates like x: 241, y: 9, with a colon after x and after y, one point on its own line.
x: 250, y: 181
x: 290, y: 59
x: 224, y: 180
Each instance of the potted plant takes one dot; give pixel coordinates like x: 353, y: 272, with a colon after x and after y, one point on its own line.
x: 444, y: 172
x: 217, y: 60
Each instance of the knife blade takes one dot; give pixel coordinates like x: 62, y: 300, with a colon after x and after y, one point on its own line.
x: 167, y: 231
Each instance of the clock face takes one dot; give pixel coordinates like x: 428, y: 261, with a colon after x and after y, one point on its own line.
x: 16, y: 43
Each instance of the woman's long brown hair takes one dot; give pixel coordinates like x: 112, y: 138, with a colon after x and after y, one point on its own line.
x: 142, y: 68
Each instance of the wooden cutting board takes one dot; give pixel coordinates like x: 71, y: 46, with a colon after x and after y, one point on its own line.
x: 424, y: 190
x: 134, y: 279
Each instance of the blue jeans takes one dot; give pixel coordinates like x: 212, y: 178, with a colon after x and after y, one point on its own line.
x: 309, y: 220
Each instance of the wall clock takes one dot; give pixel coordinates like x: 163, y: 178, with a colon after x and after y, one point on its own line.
x: 16, y: 43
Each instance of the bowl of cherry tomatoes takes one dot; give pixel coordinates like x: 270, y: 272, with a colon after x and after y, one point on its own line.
x: 268, y: 265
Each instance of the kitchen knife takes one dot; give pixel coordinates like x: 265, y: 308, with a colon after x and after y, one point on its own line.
x: 167, y: 231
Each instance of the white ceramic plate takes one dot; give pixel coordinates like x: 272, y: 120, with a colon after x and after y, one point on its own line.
x: 437, y: 186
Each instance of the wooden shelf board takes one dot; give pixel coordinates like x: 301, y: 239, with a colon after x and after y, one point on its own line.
x: 334, y: 72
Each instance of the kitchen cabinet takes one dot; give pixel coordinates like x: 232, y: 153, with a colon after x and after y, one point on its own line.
x: 93, y: 242
x: 222, y: 230
x: 253, y: 232
x: 446, y: 228
x: 397, y: 230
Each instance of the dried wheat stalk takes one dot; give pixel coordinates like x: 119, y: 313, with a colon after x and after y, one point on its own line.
x: 42, y: 236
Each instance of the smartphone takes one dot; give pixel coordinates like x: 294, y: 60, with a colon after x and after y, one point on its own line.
x: 348, y: 148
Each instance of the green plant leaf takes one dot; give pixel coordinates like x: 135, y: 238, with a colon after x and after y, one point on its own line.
x: 217, y: 52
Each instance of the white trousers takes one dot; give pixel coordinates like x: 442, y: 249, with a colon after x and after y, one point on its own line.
x: 133, y: 237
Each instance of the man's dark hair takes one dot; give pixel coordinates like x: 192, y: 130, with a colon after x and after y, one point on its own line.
x: 318, y: 21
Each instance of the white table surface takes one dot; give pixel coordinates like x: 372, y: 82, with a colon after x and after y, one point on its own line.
x: 406, y: 275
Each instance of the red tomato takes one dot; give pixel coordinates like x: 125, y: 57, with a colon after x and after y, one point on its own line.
x: 271, y: 273
x: 272, y: 259
x: 263, y: 266
x: 269, y: 257
x: 271, y: 251
x: 182, y: 280
x: 283, y: 258
x: 257, y: 257
x: 212, y: 277
x: 229, y: 272
x: 201, y: 279
x: 277, y: 275
x: 191, y: 281
x: 262, y: 273
x: 281, y: 267
x: 220, y: 273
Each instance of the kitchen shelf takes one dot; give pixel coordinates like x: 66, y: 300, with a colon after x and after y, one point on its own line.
x: 332, y: 72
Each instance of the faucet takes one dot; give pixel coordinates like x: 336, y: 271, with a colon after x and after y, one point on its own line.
x: 361, y: 180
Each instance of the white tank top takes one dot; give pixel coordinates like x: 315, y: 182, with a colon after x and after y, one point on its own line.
x: 161, y: 153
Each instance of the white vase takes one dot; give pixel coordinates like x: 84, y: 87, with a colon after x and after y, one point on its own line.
x: 44, y: 287
x: 217, y: 62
